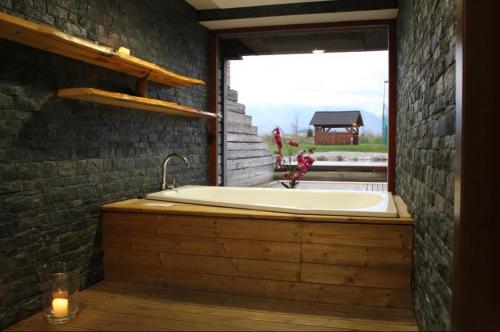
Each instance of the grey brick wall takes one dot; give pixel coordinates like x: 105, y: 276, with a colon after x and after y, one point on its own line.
x: 426, y: 148
x: 61, y: 160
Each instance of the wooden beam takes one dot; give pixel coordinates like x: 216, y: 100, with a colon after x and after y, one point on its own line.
x: 476, y: 248
x: 393, y: 90
x: 370, y: 23
x: 260, y: 11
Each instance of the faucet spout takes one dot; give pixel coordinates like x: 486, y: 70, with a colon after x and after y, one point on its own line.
x: 164, y: 184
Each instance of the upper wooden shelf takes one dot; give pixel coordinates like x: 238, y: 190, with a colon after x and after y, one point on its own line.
x: 55, y: 41
x: 124, y: 100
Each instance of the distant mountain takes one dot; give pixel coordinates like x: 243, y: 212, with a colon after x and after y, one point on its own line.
x: 372, y: 122
x: 267, y: 116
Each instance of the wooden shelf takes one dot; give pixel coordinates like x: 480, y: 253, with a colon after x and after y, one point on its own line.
x: 55, y: 41
x: 124, y: 100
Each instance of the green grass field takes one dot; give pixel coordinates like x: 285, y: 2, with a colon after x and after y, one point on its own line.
x: 367, y: 144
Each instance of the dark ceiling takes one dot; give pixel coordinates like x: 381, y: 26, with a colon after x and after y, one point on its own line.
x: 296, y: 42
x: 296, y: 9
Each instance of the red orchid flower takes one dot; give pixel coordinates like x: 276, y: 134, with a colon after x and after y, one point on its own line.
x: 305, y: 164
x: 277, y: 139
x: 304, y: 160
x: 302, y: 167
x: 299, y: 157
x: 279, y: 161
x: 309, y: 160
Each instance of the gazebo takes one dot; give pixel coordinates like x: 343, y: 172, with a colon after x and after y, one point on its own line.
x: 324, y: 122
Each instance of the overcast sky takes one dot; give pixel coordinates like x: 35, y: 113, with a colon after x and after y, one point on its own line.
x: 337, y: 80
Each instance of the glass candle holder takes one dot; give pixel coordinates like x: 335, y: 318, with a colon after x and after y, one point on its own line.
x: 59, y: 285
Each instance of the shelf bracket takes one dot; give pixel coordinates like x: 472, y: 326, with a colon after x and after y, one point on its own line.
x: 142, y: 86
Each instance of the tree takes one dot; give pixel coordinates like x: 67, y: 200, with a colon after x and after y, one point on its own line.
x: 310, y: 132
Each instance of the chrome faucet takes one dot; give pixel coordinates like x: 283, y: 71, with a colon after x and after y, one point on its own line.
x: 172, y: 185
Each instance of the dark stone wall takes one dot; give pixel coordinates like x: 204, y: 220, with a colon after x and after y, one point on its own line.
x: 426, y: 148
x: 60, y: 160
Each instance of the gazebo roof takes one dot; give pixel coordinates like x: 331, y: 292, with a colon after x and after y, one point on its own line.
x: 337, y: 119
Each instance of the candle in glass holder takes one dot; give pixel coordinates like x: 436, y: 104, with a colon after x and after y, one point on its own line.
x: 60, y: 308
x: 60, y: 304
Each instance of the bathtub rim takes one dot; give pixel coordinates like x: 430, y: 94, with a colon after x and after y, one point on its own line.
x: 140, y: 206
x: 391, y: 212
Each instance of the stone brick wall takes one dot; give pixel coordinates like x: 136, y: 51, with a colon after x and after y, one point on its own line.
x: 425, y: 148
x: 60, y: 160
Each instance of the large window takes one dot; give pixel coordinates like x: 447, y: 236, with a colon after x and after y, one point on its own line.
x: 327, y: 89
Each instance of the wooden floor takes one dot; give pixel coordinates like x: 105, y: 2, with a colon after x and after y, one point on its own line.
x: 121, y: 307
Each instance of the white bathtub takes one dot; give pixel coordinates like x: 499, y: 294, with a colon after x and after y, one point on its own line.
x: 300, y: 201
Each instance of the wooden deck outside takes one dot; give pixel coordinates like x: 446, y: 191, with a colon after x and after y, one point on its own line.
x: 122, y: 307
x: 335, y: 185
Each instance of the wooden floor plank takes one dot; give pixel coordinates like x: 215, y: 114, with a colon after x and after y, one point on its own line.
x: 307, y: 321
x: 202, y: 315
x: 250, y: 303
x: 262, y: 288
x: 123, y: 307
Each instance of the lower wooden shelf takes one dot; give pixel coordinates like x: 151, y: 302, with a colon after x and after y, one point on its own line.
x: 123, y: 100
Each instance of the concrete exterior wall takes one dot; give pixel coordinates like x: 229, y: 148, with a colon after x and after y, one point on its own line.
x: 60, y: 160
x: 426, y: 148
x: 248, y: 159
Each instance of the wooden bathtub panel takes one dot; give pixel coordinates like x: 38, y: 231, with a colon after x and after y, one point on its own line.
x: 186, y: 225
x: 131, y: 222
x: 266, y: 230
x: 232, y: 266
x: 355, y: 276
x: 394, y: 258
x: 230, y: 228
x: 263, y: 250
x: 299, y: 291
x: 132, y: 258
x: 203, y: 264
x: 385, y: 236
x: 338, y: 263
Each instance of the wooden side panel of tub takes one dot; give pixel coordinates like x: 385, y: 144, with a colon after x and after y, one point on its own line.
x: 360, y: 255
x: 349, y: 264
x: 201, y: 245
